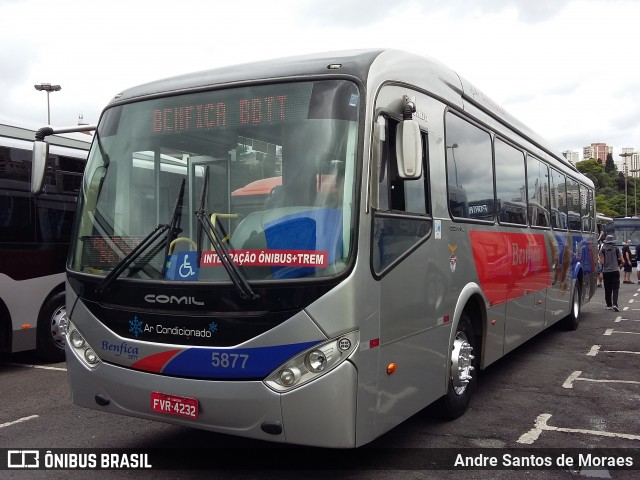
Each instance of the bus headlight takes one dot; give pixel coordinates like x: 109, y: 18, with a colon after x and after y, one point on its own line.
x: 316, y: 361
x: 76, y: 339
x: 91, y: 357
x: 312, y: 363
x: 81, y: 348
x: 289, y: 376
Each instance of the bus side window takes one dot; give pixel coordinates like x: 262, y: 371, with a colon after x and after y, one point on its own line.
x: 469, y: 170
x: 574, y: 204
x: 16, y: 213
x: 510, y: 183
x: 558, y: 190
x: 538, y: 192
x: 408, y: 195
x: 400, y: 222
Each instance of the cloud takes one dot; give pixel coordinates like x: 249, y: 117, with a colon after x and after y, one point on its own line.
x: 16, y: 58
x: 528, y: 11
x: 536, y: 58
x: 369, y: 12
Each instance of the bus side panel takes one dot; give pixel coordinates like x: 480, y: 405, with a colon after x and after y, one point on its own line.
x: 23, y: 309
x: 493, y: 342
x: 411, y: 336
x: 559, y: 293
x: 528, y: 282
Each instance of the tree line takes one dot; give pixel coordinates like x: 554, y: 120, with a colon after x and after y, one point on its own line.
x: 610, y: 187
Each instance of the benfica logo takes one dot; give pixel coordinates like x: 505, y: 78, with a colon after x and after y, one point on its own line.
x: 453, y: 259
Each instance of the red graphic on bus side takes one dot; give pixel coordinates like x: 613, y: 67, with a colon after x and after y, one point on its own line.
x: 510, y: 265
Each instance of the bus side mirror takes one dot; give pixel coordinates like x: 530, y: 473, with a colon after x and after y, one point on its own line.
x: 409, y: 150
x: 38, y: 164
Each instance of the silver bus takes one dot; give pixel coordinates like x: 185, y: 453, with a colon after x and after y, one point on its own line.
x: 375, y: 277
x: 34, y: 237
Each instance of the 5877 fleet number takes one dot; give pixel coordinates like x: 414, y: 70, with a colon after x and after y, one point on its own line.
x: 228, y: 360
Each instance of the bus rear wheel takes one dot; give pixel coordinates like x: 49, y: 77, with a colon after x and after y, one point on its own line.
x: 51, y: 325
x: 572, y: 320
x: 462, y: 371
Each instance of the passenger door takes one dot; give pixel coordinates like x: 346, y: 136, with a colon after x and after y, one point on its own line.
x: 402, y: 227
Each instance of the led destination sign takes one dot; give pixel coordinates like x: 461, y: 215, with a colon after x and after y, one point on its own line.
x: 243, y: 107
x: 247, y: 111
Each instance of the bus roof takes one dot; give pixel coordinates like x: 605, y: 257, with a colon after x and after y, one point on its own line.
x: 366, y: 64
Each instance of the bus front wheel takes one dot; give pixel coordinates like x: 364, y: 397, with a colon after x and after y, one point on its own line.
x: 51, y: 324
x: 462, y: 371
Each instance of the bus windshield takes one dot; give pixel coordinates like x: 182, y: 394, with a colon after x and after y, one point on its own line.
x: 627, y: 229
x: 263, y: 176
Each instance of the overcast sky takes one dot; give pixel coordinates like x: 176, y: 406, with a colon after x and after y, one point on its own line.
x: 569, y: 69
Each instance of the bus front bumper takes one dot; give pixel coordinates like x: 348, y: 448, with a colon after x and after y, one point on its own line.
x: 321, y: 413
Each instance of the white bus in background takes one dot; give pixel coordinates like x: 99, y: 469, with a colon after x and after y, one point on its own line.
x: 387, y: 265
x: 34, y: 237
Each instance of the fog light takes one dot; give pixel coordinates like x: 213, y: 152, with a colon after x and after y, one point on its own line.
x: 76, y: 339
x: 289, y: 376
x: 316, y: 361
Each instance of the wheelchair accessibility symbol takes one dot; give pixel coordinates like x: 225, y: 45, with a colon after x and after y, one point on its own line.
x: 185, y: 269
x: 183, y: 266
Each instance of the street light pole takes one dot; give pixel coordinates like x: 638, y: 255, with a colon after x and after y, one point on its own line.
x: 625, y: 155
x: 47, y: 87
x: 635, y: 196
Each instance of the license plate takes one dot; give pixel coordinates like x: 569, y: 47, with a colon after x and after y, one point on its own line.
x: 174, y: 405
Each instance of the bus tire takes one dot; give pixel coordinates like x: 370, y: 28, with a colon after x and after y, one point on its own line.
x: 463, y: 369
x: 572, y: 320
x: 51, y: 324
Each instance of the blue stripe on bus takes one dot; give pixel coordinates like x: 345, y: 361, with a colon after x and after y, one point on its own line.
x: 232, y: 363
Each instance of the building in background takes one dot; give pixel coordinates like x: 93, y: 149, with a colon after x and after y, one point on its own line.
x: 572, y: 156
x: 598, y: 151
x: 629, y: 164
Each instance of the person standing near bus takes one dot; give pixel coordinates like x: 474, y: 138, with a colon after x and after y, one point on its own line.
x: 637, y: 257
x: 611, y: 260
x: 626, y: 258
x: 601, y: 239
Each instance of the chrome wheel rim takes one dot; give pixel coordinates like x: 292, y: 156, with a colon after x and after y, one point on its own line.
x: 461, y: 363
x: 59, y: 322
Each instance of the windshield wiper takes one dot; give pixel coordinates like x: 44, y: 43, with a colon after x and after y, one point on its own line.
x: 144, y: 245
x: 174, y: 226
x: 216, y: 240
x: 212, y: 232
x: 131, y: 256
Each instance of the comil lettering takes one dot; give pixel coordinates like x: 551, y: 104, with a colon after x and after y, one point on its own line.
x: 172, y: 299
